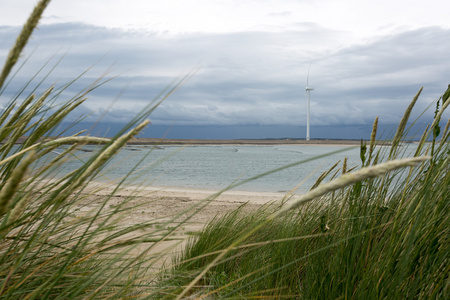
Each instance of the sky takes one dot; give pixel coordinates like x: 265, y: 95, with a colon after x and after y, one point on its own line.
x: 366, y: 59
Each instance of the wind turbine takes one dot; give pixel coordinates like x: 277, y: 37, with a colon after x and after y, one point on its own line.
x: 308, y: 94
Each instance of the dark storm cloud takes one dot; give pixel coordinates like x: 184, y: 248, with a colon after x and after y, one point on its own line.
x: 246, y: 77
x: 382, y: 76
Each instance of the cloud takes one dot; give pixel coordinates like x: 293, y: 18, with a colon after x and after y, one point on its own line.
x: 282, y: 14
x: 246, y: 78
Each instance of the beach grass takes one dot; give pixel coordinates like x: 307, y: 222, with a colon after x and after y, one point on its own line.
x: 373, y: 232
x: 384, y: 236
x: 50, y: 248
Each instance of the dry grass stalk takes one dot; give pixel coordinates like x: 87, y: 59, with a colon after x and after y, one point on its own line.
x: 344, y: 166
x: 343, y: 181
x: 79, y: 140
x: 373, y: 137
x: 324, y: 175
x: 402, y: 125
x: 108, y: 153
x: 422, y: 141
x: 22, y: 39
x: 349, y: 179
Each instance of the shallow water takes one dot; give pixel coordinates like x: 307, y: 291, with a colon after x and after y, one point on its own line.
x: 216, y: 167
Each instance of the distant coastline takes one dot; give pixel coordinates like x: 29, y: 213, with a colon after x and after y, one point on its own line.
x: 155, y: 141
x: 284, y: 141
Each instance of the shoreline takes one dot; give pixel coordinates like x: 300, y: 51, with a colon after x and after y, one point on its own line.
x: 259, y: 142
x: 191, y: 194
x: 175, y: 196
x: 162, y: 204
x: 166, y: 207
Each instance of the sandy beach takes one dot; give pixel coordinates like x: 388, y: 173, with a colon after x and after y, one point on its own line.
x: 162, y: 204
x: 165, y: 202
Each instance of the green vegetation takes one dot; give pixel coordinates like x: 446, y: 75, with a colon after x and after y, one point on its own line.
x: 49, y: 248
x: 382, y: 237
x: 370, y: 233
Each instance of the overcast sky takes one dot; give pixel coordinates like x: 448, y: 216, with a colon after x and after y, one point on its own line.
x: 368, y: 58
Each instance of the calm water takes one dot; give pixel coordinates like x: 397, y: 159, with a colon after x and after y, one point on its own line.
x: 216, y: 167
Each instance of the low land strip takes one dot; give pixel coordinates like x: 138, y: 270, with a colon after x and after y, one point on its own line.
x: 160, y: 141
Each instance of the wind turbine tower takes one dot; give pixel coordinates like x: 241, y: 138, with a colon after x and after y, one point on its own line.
x: 308, y: 94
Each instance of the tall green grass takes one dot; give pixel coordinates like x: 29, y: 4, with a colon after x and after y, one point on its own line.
x: 383, y: 236
x: 49, y: 249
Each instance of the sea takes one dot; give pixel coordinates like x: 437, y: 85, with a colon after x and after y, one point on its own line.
x: 274, y: 168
